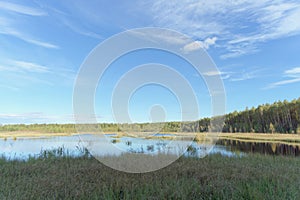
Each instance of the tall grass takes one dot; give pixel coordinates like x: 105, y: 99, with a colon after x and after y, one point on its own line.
x: 214, y: 177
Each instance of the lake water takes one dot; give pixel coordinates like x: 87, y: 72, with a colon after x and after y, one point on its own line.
x: 269, y: 148
x: 22, y: 148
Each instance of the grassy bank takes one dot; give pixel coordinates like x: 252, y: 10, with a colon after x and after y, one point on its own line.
x: 214, y: 177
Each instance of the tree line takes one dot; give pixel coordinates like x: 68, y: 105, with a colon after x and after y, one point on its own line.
x: 279, y: 117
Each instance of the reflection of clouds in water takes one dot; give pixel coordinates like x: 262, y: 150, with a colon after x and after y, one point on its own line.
x: 22, y: 148
x: 8, y: 146
x: 74, y: 145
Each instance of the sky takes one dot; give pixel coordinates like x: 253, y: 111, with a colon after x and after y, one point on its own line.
x: 255, y: 45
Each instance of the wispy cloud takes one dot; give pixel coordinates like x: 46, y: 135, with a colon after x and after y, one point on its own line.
x: 293, y: 76
x: 163, y: 35
x: 29, y: 66
x: 244, y: 76
x: 238, y: 75
x: 80, y: 30
x: 224, y: 75
x: 9, y: 87
x: 9, y: 24
x: 41, y: 117
x: 72, y: 21
x: 39, y: 43
x: 8, y: 30
x: 294, y: 72
x: 213, y: 73
x: 34, y: 117
x: 23, y: 66
x: 22, y: 80
x: 19, y: 74
x: 25, y: 73
x: 239, y: 25
x: 285, y: 82
x: 21, y: 9
x: 23, y: 115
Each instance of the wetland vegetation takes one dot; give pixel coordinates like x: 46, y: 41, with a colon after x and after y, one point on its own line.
x: 54, y: 175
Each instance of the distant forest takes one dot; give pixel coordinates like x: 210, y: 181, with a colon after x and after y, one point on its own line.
x: 279, y: 117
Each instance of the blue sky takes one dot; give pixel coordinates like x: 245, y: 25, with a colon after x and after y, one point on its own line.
x: 255, y: 45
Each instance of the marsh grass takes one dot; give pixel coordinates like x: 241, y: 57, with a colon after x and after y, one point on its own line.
x: 56, y: 175
x: 114, y: 141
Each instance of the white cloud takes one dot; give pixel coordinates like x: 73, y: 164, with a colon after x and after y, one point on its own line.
x: 210, y: 41
x: 21, y: 9
x: 213, y: 73
x: 200, y: 44
x: 193, y: 46
x: 294, y: 72
x: 226, y: 76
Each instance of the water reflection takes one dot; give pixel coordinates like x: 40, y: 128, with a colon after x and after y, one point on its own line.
x: 23, y: 148
x: 261, y: 147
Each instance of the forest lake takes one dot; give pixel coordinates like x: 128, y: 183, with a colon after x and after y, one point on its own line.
x: 73, y: 145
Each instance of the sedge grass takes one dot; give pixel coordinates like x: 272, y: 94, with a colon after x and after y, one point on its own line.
x: 59, y: 176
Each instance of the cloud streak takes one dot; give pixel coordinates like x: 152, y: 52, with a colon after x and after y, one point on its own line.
x: 34, y: 117
x: 13, y: 32
x: 294, y: 72
x: 9, y: 23
x: 21, y: 9
x: 80, y: 30
x: 41, y: 117
x: 23, y: 66
x: 293, y: 75
x: 29, y: 66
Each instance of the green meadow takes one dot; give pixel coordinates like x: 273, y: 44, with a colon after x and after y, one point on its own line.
x: 54, y: 175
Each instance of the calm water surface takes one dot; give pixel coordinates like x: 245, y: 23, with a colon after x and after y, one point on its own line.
x: 22, y: 148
